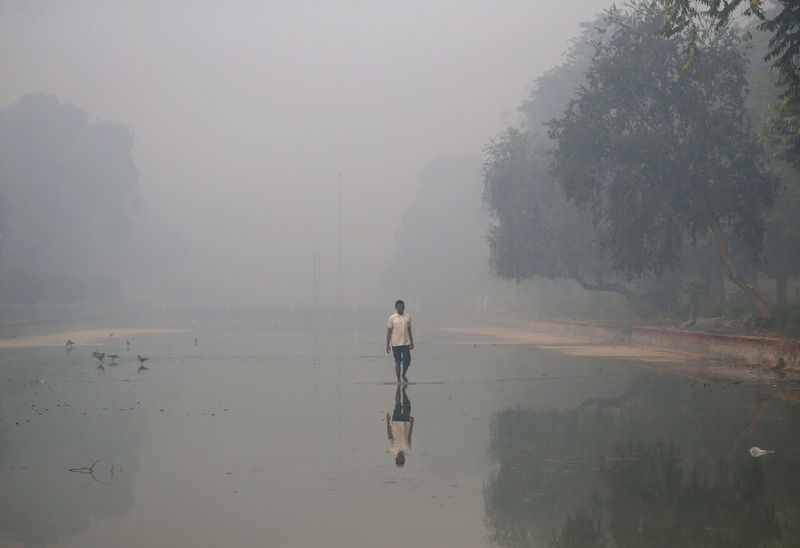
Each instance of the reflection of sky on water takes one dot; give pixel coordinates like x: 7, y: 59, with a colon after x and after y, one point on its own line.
x: 273, y: 433
x: 57, y: 414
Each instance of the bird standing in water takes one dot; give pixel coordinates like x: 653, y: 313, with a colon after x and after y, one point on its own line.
x: 99, y: 355
x: 142, y: 359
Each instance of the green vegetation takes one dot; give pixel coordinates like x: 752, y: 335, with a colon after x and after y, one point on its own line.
x: 632, y: 151
x: 780, y: 20
x: 785, y: 322
x: 651, y: 182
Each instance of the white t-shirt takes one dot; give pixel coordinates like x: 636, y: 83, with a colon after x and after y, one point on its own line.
x: 400, y: 326
x: 400, y: 440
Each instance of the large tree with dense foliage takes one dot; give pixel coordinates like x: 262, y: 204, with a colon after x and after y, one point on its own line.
x: 659, y: 155
x: 780, y: 258
x: 781, y: 20
x: 536, y: 232
x: 67, y: 187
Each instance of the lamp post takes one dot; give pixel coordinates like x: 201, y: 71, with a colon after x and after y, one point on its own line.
x: 339, y: 245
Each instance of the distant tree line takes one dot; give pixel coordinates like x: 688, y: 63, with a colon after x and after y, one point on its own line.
x: 645, y: 167
x: 67, y: 194
x: 441, y: 254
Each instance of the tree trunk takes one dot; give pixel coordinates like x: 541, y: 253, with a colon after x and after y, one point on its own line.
x: 708, y: 273
x: 717, y: 282
x: 642, y: 307
x: 781, y: 289
x: 747, y: 286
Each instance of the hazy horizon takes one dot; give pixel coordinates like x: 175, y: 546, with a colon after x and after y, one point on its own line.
x: 244, y: 114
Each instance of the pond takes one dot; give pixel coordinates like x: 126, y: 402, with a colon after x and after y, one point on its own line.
x: 271, y: 431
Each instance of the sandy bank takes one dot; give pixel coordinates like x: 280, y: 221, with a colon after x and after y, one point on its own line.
x: 568, y: 344
x: 733, y: 362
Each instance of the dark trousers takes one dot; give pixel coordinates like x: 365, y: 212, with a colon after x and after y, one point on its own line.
x: 402, y: 354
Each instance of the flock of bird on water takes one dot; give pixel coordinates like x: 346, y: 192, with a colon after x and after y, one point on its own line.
x: 101, y: 356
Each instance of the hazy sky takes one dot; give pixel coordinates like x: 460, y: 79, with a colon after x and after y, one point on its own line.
x: 244, y: 112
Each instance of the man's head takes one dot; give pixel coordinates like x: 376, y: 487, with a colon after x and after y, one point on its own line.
x: 400, y: 306
x: 400, y: 460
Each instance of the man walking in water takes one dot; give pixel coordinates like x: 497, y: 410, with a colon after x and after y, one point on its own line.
x: 400, y: 339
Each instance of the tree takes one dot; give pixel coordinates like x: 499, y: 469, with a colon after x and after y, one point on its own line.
x: 781, y: 259
x: 440, y: 253
x: 68, y: 186
x: 537, y: 233
x: 658, y: 155
x: 684, y: 17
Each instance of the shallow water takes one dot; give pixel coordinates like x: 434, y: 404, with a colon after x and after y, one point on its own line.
x: 271, y: 432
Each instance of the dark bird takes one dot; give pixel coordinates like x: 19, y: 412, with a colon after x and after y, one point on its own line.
x: 114, y: 359
x: 70, y: 344
x: 142, y: 359
x: 99, y: 355
x: 128, y: 345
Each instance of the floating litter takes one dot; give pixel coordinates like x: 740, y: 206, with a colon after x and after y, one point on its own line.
x: 758, y: 452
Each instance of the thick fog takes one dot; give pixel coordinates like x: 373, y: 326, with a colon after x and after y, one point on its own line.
x: 253, y: 121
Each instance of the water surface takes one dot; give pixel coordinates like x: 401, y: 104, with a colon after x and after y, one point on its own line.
x: 271, y: 432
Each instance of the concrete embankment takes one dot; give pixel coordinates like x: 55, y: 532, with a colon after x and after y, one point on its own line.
x: 762, y: 351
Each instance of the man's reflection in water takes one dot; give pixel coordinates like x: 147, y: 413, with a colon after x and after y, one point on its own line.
x: 400, y: 427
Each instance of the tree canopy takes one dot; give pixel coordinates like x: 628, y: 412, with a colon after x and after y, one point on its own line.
x: 536, y: 232
x: 782, y: 21
x: 657, y: 154
x: 67, y: 186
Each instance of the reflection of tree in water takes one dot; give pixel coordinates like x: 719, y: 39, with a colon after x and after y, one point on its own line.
x: 583, y: 528
x: 665, y: 464
x: 653, y: 500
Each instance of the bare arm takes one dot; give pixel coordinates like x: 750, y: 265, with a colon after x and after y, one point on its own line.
x: 410, y: 338
x: 388, y: 338
x: 410, y: 429
x: 388, y: 427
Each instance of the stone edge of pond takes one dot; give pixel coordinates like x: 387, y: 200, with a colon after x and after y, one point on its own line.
x: 766, y: 352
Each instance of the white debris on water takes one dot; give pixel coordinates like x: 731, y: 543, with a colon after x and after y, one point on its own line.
x: 758, y: 452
